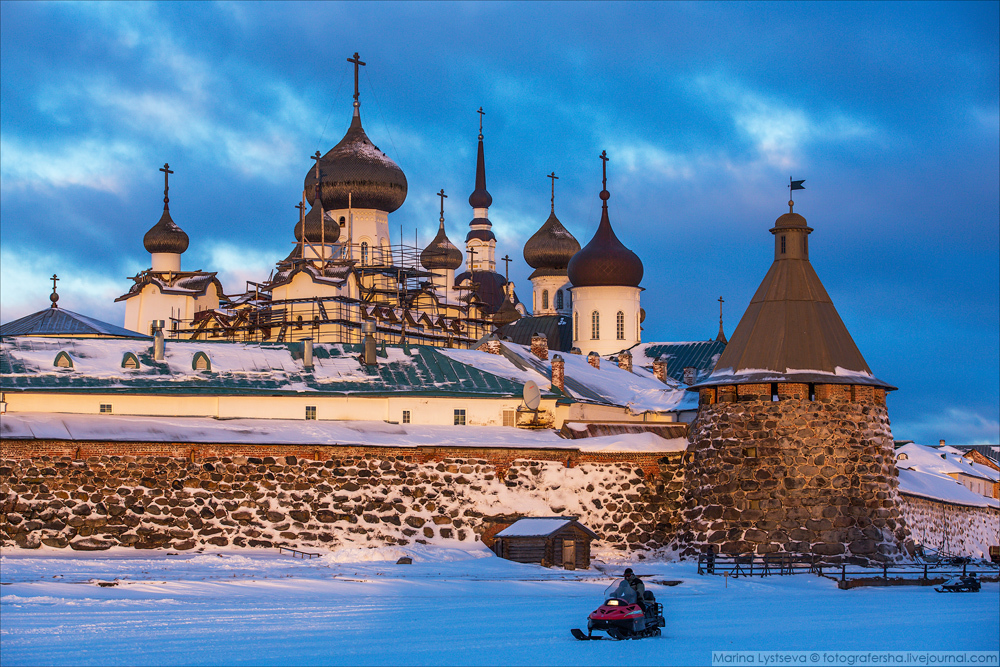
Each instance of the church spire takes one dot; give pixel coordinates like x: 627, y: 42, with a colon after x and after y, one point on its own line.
x: 481, y: 242
x: 480, y: 198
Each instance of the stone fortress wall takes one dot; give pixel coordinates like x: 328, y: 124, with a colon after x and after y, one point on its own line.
x: 182, y: 496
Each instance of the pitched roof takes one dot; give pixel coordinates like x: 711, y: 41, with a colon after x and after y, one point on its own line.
x: 62, y: 322
x: 557, y: 329
x: 699, y: 354
x: 542, y: 527
x: 791, y: 331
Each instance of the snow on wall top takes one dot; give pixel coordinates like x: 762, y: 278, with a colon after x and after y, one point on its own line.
x: 121, y: 428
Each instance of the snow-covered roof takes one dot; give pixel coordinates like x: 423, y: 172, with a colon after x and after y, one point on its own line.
x: 538, y: 527
x: 941, y: 487
x: 941, y: 461
x: 124, y: 428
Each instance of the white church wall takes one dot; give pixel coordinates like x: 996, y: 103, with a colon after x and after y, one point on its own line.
x: 608, y: 301
x: 553, y: 285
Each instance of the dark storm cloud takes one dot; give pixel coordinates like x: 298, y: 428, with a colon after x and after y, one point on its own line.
x: 889, y: 110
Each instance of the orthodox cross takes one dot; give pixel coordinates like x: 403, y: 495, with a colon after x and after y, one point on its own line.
x: 443, y: 196
x: 721, y: 301
x: 54, y: 297
x: 506, y: 269
x: 554, y: 178
x: 481, y: 114
x: 357, y: 61
x: 604, y: 169
x: 472, y: 257
x: 166, y: 184
x: 316, y: 156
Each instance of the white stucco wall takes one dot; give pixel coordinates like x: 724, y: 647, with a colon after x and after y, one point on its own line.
x: 553, y: 284
x: 608, y: 301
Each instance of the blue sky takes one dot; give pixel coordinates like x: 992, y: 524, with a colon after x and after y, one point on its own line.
x: 889, y: 111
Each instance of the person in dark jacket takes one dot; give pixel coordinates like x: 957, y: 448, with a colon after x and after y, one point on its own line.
x: 637, y: 585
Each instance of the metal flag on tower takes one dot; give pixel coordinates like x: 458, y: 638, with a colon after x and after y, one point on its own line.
x: 793, y: 186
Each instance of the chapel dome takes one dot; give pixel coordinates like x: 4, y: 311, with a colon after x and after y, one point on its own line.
x: 165, y: 236
x: 328, y: 232
x: 551, y: 247
x: 441, y: 253
x: 605, y: 260
x: 356, y: 167
x: 790, y: 220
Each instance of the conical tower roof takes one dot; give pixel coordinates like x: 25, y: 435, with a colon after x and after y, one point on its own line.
x: 791, y: 331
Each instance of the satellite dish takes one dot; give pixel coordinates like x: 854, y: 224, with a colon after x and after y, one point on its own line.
x: 532, y: 396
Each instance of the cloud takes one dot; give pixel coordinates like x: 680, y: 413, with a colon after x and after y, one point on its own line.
x: 91, y: 163
x: 961, y: 426
x: 238, y: 264
x: 25, y: 285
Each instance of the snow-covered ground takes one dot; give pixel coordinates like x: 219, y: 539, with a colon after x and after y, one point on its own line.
x: 451, y: 606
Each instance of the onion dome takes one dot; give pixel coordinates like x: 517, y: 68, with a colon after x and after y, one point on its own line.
x: 441, y: 253
x: 605, y: 260
x: 356, y: 167
x: 490, y: 287
x: 316, y: 232
x: 551, y: 247
x: 506, y: 315
x: 165, y: 236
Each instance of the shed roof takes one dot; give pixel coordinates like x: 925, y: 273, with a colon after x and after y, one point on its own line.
x: 542, y: 527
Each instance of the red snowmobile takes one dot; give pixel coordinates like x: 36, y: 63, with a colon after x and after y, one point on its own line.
x: 622, y: 616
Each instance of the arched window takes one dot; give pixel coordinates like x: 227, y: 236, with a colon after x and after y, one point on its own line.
x: 576, y: 326
x: 63, y: 360
x: 298, y: 322
x: 595, y: 326
x: 201, y: 362
x: 545, y: 299
x: 559, y: 300
x: 343, y: 221
x: 620, y: 325
x: 782, y: 245
x: 364, y: 253
x: 130, y: 361
x: 569, y: 297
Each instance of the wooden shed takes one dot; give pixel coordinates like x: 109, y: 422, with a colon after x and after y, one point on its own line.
x: 550, y: 541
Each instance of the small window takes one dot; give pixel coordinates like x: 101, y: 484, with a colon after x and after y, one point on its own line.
x: 576, y: 326
x: 459, y: 417
x: 63, y: 360
x: 298, y: 322
x: 595, y: 326
x: 406, y: 416
x: 508, y: 418
x: 343, y: 221
x: 315, y: 321
x: 105, y: 408
x: 364, y: 253
x: 310, y: 412
x: 559, y: 300
x: 545, y: 299
x: 782, y: 245
x: 620, y: 325
x: 201, y: 362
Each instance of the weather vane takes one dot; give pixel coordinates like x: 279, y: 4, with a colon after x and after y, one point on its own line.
x: 792, y: 186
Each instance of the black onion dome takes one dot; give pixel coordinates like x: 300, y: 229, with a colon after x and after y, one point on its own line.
x: 358, y: 168
x: 491, y: 287
x: 551, y: 247
x: 165, y: 236
x: 480, y: 198
x: 605, y: 260
x: 484, y: 235
x: 506, y: 315
x: 441, y: 253
x: 328, y: 231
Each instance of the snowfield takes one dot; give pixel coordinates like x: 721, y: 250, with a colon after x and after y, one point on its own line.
x: 453, y: 605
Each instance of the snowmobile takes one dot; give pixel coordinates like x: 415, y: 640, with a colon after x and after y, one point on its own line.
x: 622, y: 616
x: 969, y: 584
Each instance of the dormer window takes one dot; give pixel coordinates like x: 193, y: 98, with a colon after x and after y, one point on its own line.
x: 201, y: 362
x: 130, y: 361
x: 63, y: 360
x: 902, y: 456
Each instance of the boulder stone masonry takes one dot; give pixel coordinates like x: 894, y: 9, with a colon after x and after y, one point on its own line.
x: 354, y: 495
x: 793, y: 475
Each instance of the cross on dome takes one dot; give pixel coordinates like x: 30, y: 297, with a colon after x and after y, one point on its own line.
x: 554, y: 178
x: 166, y: 184
x: 357, y: 62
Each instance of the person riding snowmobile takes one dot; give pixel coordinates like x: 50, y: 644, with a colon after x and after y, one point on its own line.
x: 637, y: 585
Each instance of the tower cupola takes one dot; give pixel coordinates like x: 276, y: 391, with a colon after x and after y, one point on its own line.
x: 441, y: 253
x: 165, y: 241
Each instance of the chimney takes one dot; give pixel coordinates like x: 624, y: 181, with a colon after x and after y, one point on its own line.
x: 690, y: 375
x: 559, y: 372
x: 307, y: 354
x: 159, y: 344
x: 660, y: 368
x: 625, y: 361
x: 941, y: 443
x: 491, y: 346
x: 368, y: 357
x: 540, y: 346
x: 575, y: 350
x: 594, y: 359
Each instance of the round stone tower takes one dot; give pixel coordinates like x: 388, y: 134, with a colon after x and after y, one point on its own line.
x: 791, y: 450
